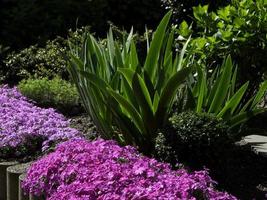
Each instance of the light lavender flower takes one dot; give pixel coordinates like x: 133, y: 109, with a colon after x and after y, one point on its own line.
x: 20, y: 119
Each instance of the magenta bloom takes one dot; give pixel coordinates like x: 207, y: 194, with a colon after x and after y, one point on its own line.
x: 83, y: 170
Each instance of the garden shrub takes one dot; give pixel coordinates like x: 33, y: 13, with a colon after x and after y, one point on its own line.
x: 79, y: 169
x: 21, y: 122
x: 55, y: 93
x: 238, y: 29
x: 36, y: 61
x: 193, y: 138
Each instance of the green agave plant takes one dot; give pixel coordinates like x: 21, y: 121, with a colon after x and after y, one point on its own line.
x: 128, y: 101
x: 218, y: 94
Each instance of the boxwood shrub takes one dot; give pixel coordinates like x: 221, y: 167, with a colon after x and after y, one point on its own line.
x: 193, y: 138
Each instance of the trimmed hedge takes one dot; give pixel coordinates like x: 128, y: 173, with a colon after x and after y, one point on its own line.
x: 193, y: 138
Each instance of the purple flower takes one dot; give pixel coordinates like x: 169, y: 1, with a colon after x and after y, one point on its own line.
x: 82, y: 170
x: 20, y: 119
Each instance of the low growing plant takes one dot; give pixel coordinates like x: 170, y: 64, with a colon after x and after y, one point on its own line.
x: 128, y: 100
x: 201, y: 139
x: 55, y: 93
x: 79, y: 169
x: 26, y: 130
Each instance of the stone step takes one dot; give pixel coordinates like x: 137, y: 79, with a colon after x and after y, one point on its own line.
x: 258, y: 144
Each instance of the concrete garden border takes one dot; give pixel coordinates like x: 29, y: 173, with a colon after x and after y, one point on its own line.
x: 12, y: 184
x: 3, y: 178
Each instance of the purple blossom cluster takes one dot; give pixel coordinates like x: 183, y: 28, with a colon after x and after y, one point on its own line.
x: 21, y: 119
x: 83, y: 170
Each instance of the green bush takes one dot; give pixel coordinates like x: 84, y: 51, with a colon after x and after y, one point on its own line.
x: 36, y: 62
x: 126, y: 99
x: 238, y: 29
x: 55, y: 93
x: 193, y: 138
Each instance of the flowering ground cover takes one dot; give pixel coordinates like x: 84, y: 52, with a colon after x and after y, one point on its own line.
x: 25, y: 127
x: 83, y: 170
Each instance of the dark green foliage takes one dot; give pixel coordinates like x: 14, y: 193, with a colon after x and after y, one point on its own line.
x: 39, y: 62
x: 36, y: 62
x: 55, y: 93
x: 48, y: 61
x: 192, y: 138
x: 182, y: 9
x: 28, y: 22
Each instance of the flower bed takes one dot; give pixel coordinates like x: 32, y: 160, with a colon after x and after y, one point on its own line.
x: 82, y: 170
x: 25, y: 128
